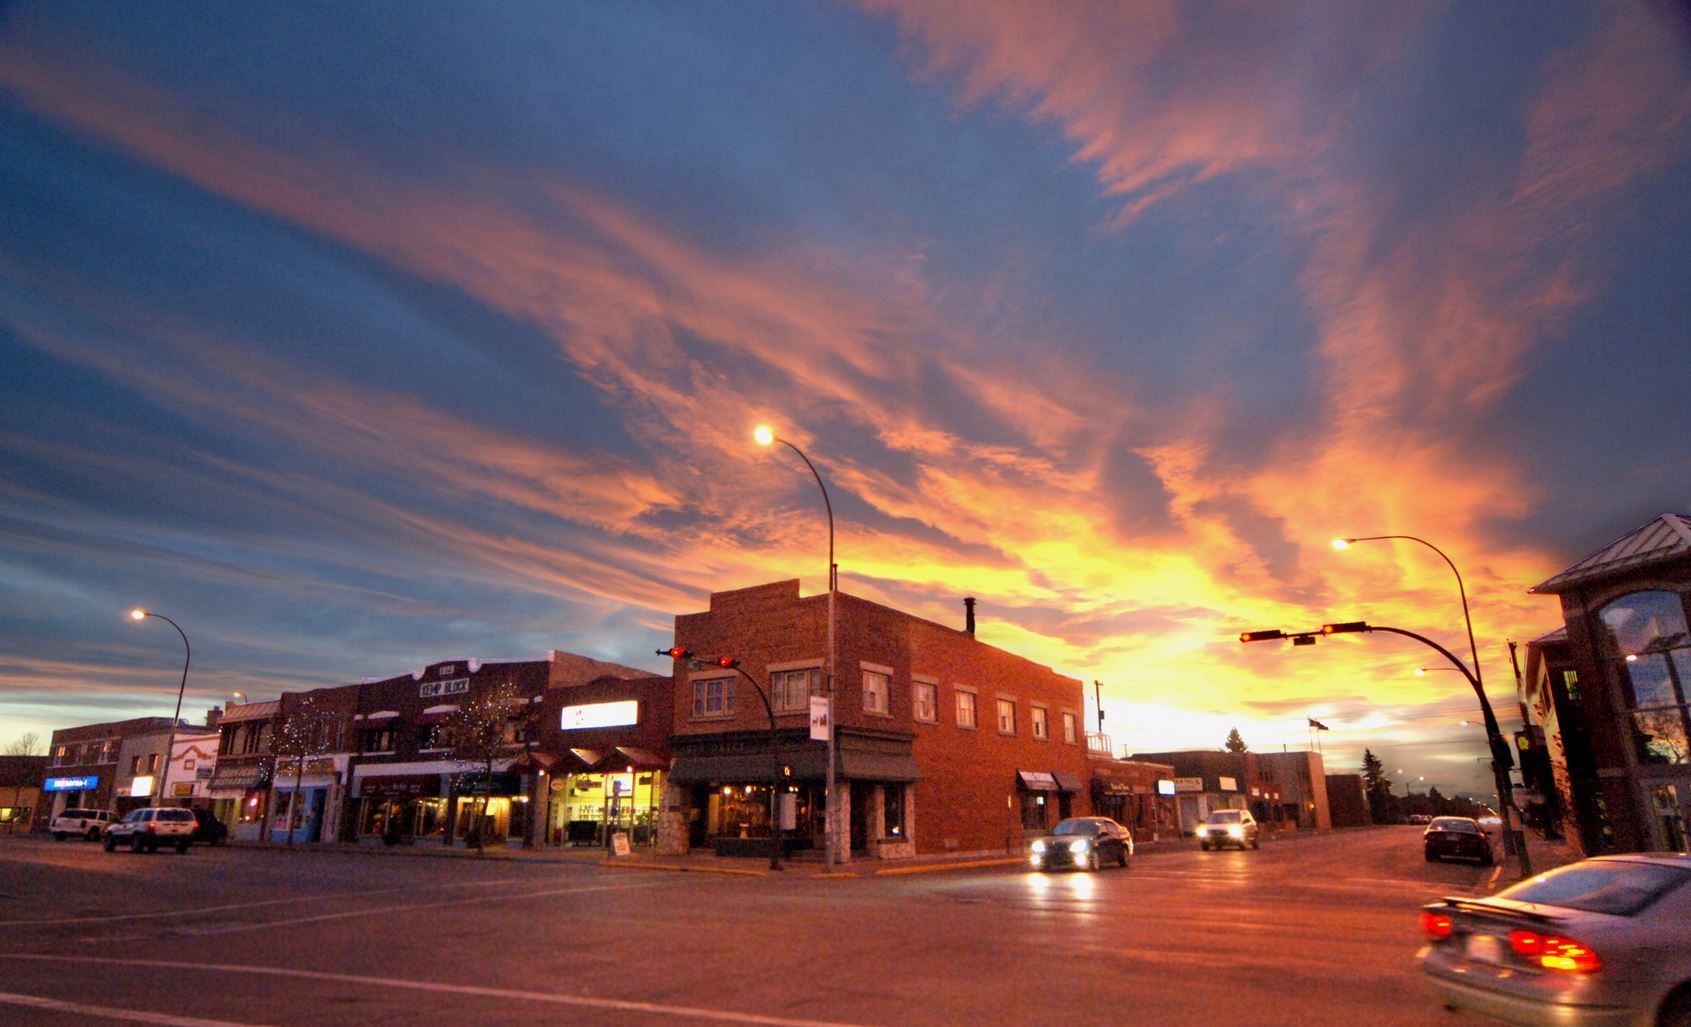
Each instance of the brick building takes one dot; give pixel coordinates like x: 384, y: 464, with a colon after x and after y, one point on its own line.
x: 1208, y: 779
x: 20, y: 791
x: 85, y: 768
x: 943, y: 743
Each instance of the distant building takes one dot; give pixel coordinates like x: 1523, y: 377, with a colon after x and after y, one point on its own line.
x: 1211, y: 779
x: 1626, y: 608
x: 20, y: 791
x: 1302, y: 779
x: 95, y: 766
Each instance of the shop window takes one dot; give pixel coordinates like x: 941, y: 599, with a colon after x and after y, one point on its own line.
x: 924, y: 697
x: 1034, y: 811
x: 1071, y: 728
x: 876, y: 689
x: 966, y: 710
x: 895, y: 811
x: 713, y: 697
x: 1660, y: 736
x: 1041, y: 723
x: 790, y: 690
x: 1670, y: 822
x: 1006, y: 717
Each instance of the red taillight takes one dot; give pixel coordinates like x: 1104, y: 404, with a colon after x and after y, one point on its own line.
x: 1435, y: 925
x: 1555, y: 953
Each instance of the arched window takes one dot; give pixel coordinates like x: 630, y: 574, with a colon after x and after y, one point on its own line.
x: 1644, y: 638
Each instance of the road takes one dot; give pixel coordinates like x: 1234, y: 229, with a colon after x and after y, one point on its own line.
x: 1313, y: 930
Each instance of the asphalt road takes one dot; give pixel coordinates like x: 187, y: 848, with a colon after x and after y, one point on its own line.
x: 1316, y: 930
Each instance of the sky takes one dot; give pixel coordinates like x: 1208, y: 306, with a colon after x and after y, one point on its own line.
x: 358, y: 337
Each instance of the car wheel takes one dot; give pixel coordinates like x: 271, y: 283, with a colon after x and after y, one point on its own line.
x: 58, y: 836
x: 137, y: 843
x: 93, y: 834
x: 1123, y: 857
x: 182, y: 846
x: 110, y: 843
x: 1256, y: 843
x: 1204, y: 845
x: 1092, y: 861
x: 1676, y: 1011
x: 1487, y: 860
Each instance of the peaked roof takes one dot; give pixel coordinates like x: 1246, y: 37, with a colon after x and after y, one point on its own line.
x: 1667, y: 537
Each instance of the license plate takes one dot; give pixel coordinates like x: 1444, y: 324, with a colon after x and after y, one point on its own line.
x: 1487, y: 948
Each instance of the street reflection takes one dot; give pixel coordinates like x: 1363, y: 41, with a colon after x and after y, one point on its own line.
x: 1063, y: 887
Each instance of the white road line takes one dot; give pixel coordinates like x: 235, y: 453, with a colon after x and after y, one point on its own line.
x: 474, y: 991
x: 126, y: 1015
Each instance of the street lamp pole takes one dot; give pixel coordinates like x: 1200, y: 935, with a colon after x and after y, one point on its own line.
x: 766, y: 436
x: 187, y: 655
x: 1505, y: 796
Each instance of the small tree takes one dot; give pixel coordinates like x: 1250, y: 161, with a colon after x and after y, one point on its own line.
x: 482, y: 731
x: 25, y: 745
x: 1377, y: 786
x: 304, y: 733
x: 1235, y: 742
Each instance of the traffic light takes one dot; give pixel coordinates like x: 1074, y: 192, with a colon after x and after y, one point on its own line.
x: 1341, y: 628
x: 676, y: 653
x: 1261, y: 636
x: 727, y: 661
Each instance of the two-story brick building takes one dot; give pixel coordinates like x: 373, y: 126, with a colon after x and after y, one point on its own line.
x: 943, y: 743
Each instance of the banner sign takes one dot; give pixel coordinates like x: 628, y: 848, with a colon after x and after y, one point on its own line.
x: 819, y: 721
x: 71, y: 784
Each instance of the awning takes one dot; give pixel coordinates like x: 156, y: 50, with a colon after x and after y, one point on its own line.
x: 733, y: 769
x: 382, y: 715
x: 1037, y: 780
x: 1067, y: 782
x: 624, y: 756
x: 250, y: 711
x: 878, y: 766
x: 534, y: 759
x: 437, y: 714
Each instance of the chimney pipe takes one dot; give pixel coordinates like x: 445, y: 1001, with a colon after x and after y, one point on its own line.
x: 969, y: 615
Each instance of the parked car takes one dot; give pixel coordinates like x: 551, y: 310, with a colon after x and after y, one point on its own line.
x: 88, y: 823
x: 1461, y: 837
x: 1602, y: 941
x: 1223, y: 827
x: 1420, y: 818
x: 1082, y: 842
x: 208, y: 830
x: 145, y: 829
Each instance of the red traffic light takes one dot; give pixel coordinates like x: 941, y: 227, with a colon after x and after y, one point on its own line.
x: 676, y: 653
x: 1341, y: 628
x: 727, y: 661
x: 1261, y: 636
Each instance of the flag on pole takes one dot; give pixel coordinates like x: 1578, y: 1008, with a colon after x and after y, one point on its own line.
x: 1317, y: 725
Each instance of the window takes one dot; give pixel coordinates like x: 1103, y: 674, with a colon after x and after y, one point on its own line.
x: 875, y: 689
x: 925, y: 699
x: 1006, y: 717
x: 1644, y: 637
x: 713, y: 697
x: 135, y: 764
x: 376, y: 740
x: 966, y: 709
x: 61, y: 756
x: 1041, y: 725
x: 790, y: 690
x: 1071, y: 728
x: 109, y: 753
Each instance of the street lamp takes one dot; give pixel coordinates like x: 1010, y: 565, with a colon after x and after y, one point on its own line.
x: 1499, y: 749
x: 766, y: 436
x: 776, y: 777
x: 139, y: 614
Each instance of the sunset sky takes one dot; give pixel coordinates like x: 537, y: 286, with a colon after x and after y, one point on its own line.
x: 358, y: 337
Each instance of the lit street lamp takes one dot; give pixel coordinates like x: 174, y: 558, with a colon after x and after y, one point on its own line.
x: 139, y: 614
x: 1500, y: 752
x: 766, y: 436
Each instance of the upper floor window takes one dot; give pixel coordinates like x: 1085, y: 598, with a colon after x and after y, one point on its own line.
x: 790, y: 690
x: 1006, y: 717
x: 1041, y: 722
x: 965, y: 709
x: 713, y: 697
x: 924, y: 700
x: 378, y: 739
x: 876, y: 687
x: 1071, y: 728
x: 1644, y: 635
x: 61, y: 756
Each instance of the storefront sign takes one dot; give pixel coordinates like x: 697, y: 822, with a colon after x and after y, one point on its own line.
x: 1228, y: 784
x: 1188, y: 784
x: 182, y: 790
x: 435, y: 689
x: 141, y: 787
x: 1165, y: 787
x: 71, y: 784
x: 413, y: 787
x: 239, y: 777
x: 623, y: 713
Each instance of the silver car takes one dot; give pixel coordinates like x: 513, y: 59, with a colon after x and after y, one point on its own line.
x: 1605, y: 941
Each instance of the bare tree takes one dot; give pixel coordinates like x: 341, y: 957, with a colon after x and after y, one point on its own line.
x: 482, y: 731
x: 306, y: 731
x: 25, y: 745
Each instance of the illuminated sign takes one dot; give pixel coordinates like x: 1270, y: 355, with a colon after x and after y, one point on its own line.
x: 1165, y: 787
x: 604, y: 714
x: 70, y: 784
x: 1228, y: 784
x: 141, y: 787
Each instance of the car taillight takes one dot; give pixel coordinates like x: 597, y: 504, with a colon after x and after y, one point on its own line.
x: 1435, y: 925
x: 1555, y: 953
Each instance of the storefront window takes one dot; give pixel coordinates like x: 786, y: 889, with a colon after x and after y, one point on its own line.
x: 1643, y: 622
x: 1660, y: 737
x: 1033, y: 811
x: 895, y: 810
x: 1670, y: 822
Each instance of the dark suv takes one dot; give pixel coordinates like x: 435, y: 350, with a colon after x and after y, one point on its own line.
x: 145, y: 829
x: 208, y: 830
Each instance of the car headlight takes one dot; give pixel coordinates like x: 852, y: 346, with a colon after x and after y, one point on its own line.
x: 1039, y: 846
x: 1079, y: 845
x: 1236, y: 830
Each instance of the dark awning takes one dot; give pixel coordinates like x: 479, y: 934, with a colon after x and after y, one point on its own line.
x: 1037, y: 780
x: 624, y: 756
x: 878, y: 766
x: 1067, y: 782
x: 692, y: 770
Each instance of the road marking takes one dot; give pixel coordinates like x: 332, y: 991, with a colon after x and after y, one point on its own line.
x: 128, y: 1015
x: 930, y: 868
x: 475, y: 991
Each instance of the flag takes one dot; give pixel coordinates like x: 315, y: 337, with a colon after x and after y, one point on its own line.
x: 1317, y: 725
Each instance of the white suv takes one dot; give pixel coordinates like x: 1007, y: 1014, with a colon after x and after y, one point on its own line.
x: 89, y: 823
x: 149, y: 827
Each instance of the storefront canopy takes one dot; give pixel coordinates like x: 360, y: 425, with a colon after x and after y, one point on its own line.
x: 1037, y: 780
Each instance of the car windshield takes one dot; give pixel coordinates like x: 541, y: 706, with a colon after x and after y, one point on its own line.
x: 1229, y: 816
x: 1620, y: 887
x: 1455, y: 824
x: 1086, y: 827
